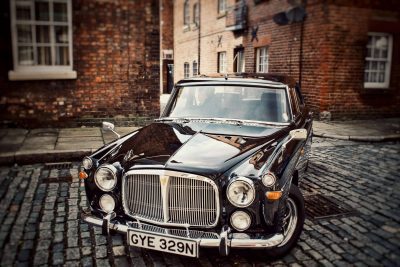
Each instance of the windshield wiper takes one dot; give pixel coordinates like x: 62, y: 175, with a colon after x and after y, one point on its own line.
x: 184, y: 120
x: 235, y: 121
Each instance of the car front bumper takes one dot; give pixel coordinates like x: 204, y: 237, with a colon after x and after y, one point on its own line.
x: 223, y: 240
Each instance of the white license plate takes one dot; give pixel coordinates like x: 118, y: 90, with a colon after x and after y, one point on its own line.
x: 160, y: 242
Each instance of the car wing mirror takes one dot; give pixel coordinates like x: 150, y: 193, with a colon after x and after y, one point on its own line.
x: 108, y: 126
x: 298, y: 134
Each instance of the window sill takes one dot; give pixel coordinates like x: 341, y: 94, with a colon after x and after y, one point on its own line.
x: 41, y: 75
x: 186, y: 28
x: 194, y: 26
x: 376, y: 91
x: 221, y: 15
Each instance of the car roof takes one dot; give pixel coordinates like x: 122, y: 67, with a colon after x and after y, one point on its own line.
x: 271, y: 79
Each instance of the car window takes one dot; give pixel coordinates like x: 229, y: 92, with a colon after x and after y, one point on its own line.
x: 231, y: 102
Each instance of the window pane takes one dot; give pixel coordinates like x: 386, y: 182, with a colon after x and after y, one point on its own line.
x: 369, y: 40
x: 376, y: 53
x: 23, y: 12
x: 44, y: 55
x: 373, y: 77
x: 60, y: 12
x: 381, y: 78
x: 61, y: 34
x: 366, y: 77
x: 24, y: 33
x: 374, y: 65
x: 382, y: 66
x: 384, y: 53
x: 62, y: 56
x: 369, y: 53
x: 42, y: 34
x: 367, y: 64
x: 42, y: 11
x: 25, y: 55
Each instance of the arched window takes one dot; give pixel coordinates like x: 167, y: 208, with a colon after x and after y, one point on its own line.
x: 195, y: 68
x: 221, y: 6
x: 196, y: 14
x: 186, y: 70
x: 186, y: 15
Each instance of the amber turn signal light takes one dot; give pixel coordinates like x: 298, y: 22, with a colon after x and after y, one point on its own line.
x: 273, y: 195
x: 82, y: 175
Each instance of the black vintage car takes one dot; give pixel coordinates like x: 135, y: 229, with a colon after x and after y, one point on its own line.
x: 220, y: 168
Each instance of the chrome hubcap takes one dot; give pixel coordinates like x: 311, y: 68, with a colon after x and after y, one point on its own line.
x: 289, y: 221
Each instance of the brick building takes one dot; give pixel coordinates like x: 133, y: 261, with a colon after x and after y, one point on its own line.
x: 345, y: 54
x: 72, y: 62
x: 166, y: 46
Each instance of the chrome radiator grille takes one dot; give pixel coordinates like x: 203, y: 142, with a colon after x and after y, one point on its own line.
x: 143, y: 196
x: 171, y: 198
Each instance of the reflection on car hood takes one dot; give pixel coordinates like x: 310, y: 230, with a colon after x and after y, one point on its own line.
x: 195, y: 147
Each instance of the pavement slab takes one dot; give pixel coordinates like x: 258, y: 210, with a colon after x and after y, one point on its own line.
x: 33, y: 142
x: 80, y: 132
x: 39, y: 219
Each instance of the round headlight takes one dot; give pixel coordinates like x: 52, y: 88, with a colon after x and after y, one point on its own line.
x: 269, y: 179
x: 241, y: 192
x: 240, y: 220
x: 107, y: 203
x: 87, y: 163
x: 106, y: 177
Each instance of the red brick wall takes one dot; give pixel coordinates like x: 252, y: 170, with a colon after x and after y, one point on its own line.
x: 334, y: 40
x: 212, y: 26
x: 167, y: 37
x: 167, y: 23
x: 116, y: 56
x: 349, y: 26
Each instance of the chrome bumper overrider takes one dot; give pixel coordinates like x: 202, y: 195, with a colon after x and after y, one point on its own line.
x: 205, y: 239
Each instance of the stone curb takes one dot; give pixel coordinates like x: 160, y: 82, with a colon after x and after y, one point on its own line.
x: 40, y: 156
x: 361, y: 138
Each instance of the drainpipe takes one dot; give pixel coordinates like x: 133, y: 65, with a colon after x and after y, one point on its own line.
x: 301, y: 52
x: 301, y: 46
x: 199, y: 40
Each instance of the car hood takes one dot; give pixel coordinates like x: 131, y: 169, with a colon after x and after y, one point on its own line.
x: 201, y: 148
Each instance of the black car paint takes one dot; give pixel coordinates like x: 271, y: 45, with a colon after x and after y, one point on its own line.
x: 169, y: 146
x: 207, y: 149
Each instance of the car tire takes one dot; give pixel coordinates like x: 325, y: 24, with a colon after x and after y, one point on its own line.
x: 292, y: 226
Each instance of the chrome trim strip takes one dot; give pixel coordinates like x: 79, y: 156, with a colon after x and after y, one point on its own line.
x: 164, y: 181
x: 227, y: 120
x: 203, y: 242
x: 163, y: 173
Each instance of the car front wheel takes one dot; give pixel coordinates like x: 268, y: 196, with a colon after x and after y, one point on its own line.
x: 292, y: 222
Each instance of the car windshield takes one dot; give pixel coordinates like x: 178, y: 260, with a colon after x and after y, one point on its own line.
x: 231, y: 102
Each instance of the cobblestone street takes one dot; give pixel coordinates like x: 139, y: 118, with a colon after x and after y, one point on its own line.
x: 39, y: 216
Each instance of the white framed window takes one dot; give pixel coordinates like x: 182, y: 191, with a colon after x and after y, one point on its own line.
x: 41, y: 39
x: 195, y: 68
x: 186, y: 70
x: 222, y: 62
x: 196, y: 14
x: 262, y: 59
x: 378, y: 60
x: 186, y: 14
x: 221, y: 6
x: 239, y: 61
x: 168, y: 54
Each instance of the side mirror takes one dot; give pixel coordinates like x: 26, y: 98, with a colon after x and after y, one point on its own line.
x: 298, y: 134
x: 108, y: 126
